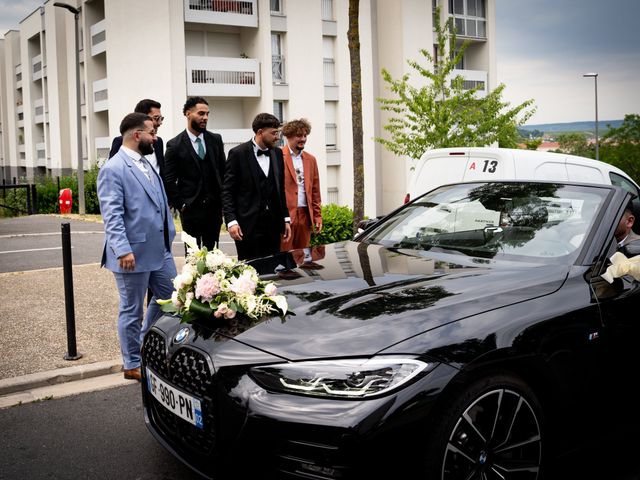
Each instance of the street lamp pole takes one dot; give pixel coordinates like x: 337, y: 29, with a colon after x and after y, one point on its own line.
x: 595, y: 78
x: 76, y: 17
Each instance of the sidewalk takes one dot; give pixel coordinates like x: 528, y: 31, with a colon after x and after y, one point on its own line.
x: 34, y: 334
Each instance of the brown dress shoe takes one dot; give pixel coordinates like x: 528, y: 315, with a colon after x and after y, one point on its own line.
x: 133, y: 374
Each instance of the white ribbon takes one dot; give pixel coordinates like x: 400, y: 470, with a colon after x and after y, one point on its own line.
x: 621, y: 266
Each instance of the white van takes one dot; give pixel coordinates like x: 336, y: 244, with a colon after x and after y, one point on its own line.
x: 452, y: 165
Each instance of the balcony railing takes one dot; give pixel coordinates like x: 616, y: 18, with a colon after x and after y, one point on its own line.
x: 223, y: 77
x: 473, y: 79
x: 100, y: 95
x: 277, y: 68
x: 37, y: 67
x: 222, y: 12
x: 18, y: 73
x: 329, y: 71
x: 99, y: 37
x: 38, y: 110
x: 333, y: 195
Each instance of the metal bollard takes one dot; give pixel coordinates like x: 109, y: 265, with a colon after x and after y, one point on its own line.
x: 72, y: 352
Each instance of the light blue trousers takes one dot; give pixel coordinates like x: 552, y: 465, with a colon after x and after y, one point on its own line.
x: 132, y: 288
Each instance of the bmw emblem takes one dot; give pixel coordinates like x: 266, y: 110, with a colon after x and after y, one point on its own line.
x: 182, y: 335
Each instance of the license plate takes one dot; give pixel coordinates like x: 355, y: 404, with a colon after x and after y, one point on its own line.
x: 180, y: 403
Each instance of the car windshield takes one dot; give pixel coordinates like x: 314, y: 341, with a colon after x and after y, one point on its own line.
x: 532, y: 221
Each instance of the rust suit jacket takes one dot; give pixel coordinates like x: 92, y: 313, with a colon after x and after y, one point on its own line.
x: 311, y: 185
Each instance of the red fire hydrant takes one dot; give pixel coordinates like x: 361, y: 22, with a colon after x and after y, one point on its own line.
x: 65, y: 200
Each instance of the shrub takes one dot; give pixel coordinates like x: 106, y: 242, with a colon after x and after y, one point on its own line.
x: 337, y: 225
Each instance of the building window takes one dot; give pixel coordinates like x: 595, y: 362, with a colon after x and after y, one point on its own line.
x: 278, y: 110
x: 333, y: 195
x: 331, y: 136
x: 434, y: 5
x: 277, y: 59
x: 329, y: 68
x: 276, y: 7
x: 469, y: 18
x: 327, y: 10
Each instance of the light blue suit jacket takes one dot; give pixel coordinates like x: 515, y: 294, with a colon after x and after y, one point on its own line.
x: 132, y: 214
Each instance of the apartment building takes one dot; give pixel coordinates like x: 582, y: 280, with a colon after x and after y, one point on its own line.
x: 289, y: 57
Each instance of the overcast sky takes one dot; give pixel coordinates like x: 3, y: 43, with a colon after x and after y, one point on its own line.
x: 543, y: 47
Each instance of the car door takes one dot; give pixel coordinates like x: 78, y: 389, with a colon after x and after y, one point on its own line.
x: 619, y: 304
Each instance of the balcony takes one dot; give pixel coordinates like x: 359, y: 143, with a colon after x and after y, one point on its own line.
x: 38, y: 111
x: 100, y: 95
x: 223, y: 77
x: 18, y: 72
x: 37, y: 68
x: 472, y: 79
x: 98, y: 37
x: 472, y: 28
x: 41, y: 155
x: 20, y: 116
x: 222, y: 12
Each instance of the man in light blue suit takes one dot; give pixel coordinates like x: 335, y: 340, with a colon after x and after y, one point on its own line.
x: 138, y: 233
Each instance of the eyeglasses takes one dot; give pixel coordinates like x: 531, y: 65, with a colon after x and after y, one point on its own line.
x: 152, y: 132
x: 158, y: 118
x: 299, y: 175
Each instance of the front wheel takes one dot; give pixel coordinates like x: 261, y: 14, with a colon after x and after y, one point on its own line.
x: 492, y: 430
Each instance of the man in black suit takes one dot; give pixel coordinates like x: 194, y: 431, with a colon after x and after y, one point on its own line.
x: 156, y: 159
x: 253, y: 198
x: 194, y: 170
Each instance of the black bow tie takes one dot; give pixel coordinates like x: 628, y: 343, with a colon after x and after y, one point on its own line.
x: 262, y: 152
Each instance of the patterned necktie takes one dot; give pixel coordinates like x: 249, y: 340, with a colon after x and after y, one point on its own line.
x: 200, y: 147
x: 144, y: 163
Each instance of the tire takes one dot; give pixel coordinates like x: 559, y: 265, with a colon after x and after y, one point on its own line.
x: 492, y: 430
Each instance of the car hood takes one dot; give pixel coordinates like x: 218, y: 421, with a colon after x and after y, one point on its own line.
x: 358, y: 299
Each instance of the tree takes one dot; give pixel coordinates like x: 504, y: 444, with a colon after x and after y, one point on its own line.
x: 443, y: 113
x: 621, y: 146
x: 353, y: 36
x: 533, y: 143
x: 575, y: 143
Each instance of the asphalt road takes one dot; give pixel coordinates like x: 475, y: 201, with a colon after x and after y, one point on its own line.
x: 97, y: 435
x: 35, y: 242
x: 101, y: 435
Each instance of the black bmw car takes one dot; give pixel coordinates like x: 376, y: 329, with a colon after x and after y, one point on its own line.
x: 468, y: 335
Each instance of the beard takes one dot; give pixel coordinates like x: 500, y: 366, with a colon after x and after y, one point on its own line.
x: 195, y: 126
x: 146, y: 148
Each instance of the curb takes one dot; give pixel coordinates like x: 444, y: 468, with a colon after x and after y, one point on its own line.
x: 62, y: 375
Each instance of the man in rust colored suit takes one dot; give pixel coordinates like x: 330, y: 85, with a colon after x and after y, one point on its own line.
x: 301, y: 185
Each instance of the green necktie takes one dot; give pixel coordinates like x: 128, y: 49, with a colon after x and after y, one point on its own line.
x: 200, y: 147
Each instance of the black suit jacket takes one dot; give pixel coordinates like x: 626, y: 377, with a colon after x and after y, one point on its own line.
x: 184, y: 178
x: 158, y: 148
x: 241, y: 195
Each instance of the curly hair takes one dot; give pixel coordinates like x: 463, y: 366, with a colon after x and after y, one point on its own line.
x: 296, y: 127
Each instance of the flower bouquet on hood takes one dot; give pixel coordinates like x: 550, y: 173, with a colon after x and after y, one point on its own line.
x: 212, y: 284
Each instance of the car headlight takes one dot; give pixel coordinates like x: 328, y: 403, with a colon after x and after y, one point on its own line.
x: 345, y: 378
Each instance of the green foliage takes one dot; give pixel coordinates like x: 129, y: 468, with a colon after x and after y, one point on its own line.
x: 337, y: 225
x: 91, y: 202
x: 621, y: 146
x: 442, y: 113
x: 533, y: 143
x: 48, y: 193
x: 575, y: 143
x: 509, y: 137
